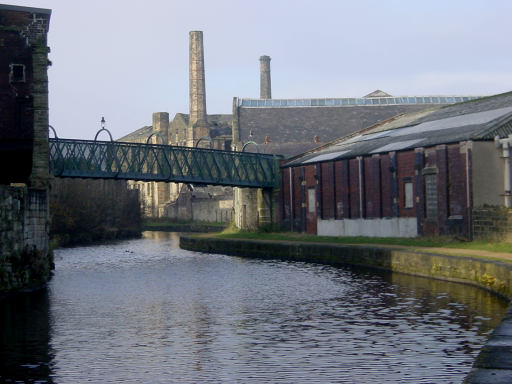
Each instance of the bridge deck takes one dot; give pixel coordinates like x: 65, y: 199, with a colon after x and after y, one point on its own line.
x: 154, y: 162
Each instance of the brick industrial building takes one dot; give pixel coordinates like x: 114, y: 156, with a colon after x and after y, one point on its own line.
x: 24, y: 176
x: 433, y: 172
x: 24, y: 95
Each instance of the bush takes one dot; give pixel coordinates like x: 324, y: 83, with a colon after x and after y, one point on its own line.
x: 83, y: 211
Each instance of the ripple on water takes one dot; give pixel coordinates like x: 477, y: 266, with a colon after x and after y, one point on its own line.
x: 146, y: 311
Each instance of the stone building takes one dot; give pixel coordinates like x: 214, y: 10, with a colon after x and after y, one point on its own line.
x: 24, y: 175
x: 176, y: 200
x: 442, y: 171
x: 197, y: 128
x: 280, y: 126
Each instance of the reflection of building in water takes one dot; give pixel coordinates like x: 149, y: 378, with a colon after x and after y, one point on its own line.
x: 25, y: 331
x: 172, y: 237
x: 280, y: 126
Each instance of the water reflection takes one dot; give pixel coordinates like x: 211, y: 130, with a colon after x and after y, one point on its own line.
x: 25, y: 353
x: 146, y: 311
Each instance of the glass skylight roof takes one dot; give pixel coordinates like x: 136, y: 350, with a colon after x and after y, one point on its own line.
x: 331, y: 102
x: 397, y: 146
x: 476, y: 118
x: 354, y: 139
x: 325, y: 156
x: 376, y: 135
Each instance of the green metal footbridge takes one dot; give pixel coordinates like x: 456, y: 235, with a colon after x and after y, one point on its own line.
x: 155, y: 162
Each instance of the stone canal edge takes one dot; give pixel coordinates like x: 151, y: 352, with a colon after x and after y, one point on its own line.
x: 494, y: 362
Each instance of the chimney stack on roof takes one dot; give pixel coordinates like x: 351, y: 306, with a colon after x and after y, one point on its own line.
x: 265, y: 84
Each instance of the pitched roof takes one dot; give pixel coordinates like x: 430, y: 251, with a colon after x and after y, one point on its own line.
x: 139, y: 135
x: 292, y: 121
x: 378, y: 93
x: 480, y: 119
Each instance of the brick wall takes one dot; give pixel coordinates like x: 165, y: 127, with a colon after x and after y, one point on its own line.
x: 24, y: 95
x: 374, y: 187
x: 299, y: 211
x: 405, y: 174
x: 355, y: 208
x: 342, y: 186
x: 24, y: 259
x: 310, y: 177
x: 372, y: 181
x: 328, y: 191
x: 16, y: 121
x: 386, y: 181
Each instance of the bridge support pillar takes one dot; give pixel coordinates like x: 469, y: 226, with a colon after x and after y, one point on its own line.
x: 253, y: 207
x: 264, y: 202
x: 245, y: 205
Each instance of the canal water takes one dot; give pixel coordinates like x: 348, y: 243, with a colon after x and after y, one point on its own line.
x: 144, y: 311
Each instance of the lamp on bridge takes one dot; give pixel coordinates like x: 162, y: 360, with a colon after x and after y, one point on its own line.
x: 103, y: 129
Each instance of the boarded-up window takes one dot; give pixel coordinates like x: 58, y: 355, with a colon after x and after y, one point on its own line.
x: 408, y: 195
x: 431, y: 196
x: 311, y: 200
x: 327, y: 191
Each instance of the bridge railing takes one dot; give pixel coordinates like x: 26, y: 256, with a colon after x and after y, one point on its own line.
x: 154, y: 162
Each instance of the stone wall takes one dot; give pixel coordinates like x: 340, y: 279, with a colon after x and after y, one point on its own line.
x: 493, y: 223
x: 214, y: 209
x: 25, y: 260
x: 491, y: 275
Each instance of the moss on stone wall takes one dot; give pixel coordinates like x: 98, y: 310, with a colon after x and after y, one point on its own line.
x: 25, y: 260
x: 25, y: 270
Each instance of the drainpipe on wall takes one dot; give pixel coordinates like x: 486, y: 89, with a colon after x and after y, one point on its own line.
x: 505, y: 146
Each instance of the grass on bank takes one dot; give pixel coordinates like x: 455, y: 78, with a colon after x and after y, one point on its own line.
x: 432, y: 242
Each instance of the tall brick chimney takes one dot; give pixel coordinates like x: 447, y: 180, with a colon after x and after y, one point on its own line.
x: 198, y: 124
x: 265, y: 86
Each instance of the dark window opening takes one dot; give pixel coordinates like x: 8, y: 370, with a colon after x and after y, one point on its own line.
x: 17, y: 74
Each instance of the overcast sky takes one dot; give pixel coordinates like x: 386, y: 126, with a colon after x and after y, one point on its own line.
x: 125, y: 60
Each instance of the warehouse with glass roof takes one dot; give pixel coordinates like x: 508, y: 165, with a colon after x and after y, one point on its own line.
x: 422, y: 173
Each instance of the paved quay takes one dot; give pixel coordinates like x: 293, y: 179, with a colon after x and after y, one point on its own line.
x: 488, y: 270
